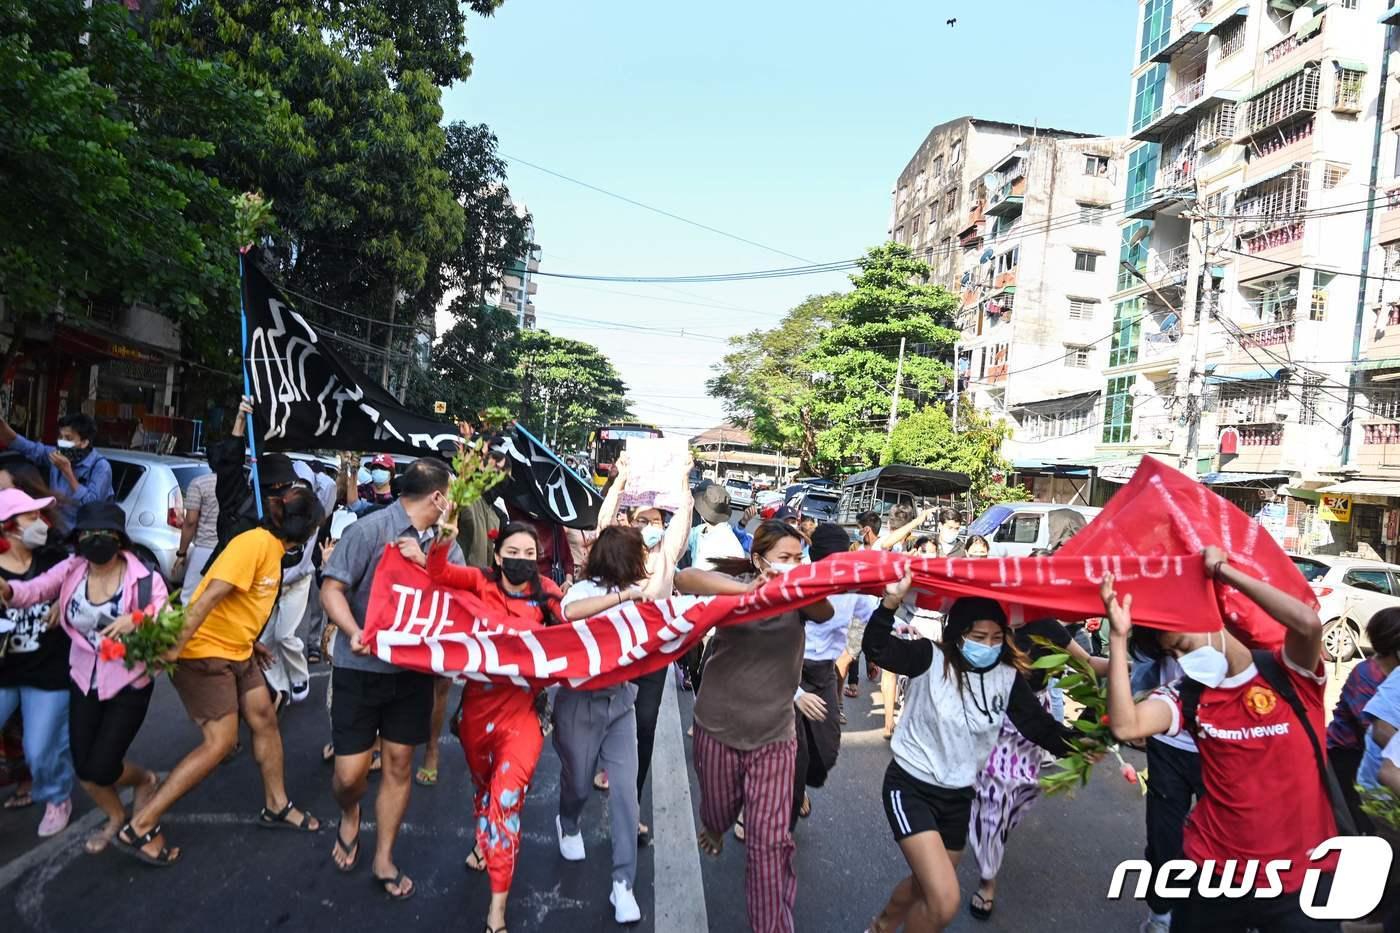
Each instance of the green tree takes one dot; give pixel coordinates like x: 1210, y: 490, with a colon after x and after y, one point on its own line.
x: 926, y: 438
x: 107, y: 167
x: 473, y: 363
x: 566, y: 387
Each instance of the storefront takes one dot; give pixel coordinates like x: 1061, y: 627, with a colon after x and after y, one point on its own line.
x: 1362, y: 517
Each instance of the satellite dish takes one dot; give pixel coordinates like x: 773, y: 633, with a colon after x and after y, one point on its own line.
x: 987, y: 255
x: 1168, y: 322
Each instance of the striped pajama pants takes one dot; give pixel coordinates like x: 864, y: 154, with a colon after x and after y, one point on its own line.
x: 758, y: 782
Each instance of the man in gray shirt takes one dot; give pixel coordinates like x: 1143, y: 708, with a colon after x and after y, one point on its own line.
x: 373, y: 698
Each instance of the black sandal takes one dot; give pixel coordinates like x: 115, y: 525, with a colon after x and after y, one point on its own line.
x: 398, y: 879
x: 269, y: 820
x: 133, y: 845
x: 982, y: 910
x: 351, y: 850
x: 480, y: 866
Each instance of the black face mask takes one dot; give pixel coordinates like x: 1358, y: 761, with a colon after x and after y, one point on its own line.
x: 98, y: 550
x: 75, y: 454
x: 292, y: 556
x: 519, y: 570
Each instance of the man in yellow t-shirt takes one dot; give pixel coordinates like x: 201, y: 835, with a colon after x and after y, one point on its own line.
x: 218, y: 671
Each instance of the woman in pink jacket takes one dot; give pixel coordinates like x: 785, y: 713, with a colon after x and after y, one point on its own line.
x: 97, y: 591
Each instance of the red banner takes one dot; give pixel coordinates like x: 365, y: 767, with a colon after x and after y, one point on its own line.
x: 1150, y: 538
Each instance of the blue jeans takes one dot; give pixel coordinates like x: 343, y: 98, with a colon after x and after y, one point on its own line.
x: 45, y: 717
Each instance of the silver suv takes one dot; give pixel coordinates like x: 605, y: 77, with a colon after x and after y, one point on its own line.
x: 150, y: 490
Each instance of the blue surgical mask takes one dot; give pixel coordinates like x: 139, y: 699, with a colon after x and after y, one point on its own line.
x: 979, y: 655
x: 362, y: 477
x: 651, y: 536
x: 379, y: 477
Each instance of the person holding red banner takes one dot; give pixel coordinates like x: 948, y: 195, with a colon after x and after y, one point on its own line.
x: 1256, y: 752
x: 500, y: 729
x: 745, y: 735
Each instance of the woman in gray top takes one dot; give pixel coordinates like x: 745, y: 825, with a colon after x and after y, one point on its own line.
x: 745, y: 741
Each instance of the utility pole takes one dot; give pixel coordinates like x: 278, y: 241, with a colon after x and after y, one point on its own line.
x: 894, y: 394
x: 1205, y: 309
x: 957, y: 385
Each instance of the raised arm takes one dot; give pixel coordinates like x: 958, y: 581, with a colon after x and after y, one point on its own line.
x: 899, y: 534
x: 1127, y: 719
x: 678, y: 532
x: 607, y: 512
x: 709, y: 583
x: 899, y: 655
x: 448, y: 574
x: 1303, y: 643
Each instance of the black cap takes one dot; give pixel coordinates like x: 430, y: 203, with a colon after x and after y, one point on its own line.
x: 712, y: 502
x: 276, y: 470
x: 100, y: 516
x: 784, y: 513
x: 829, y: 538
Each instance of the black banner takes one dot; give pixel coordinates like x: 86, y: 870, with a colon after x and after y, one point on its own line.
x: 543, y: 486
x: 306, y: 396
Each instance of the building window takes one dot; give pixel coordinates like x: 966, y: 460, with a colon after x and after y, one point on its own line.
x: 899, y: 234
x: 1127, y: 322
x: 1217, y: 126
x: 1333, y: 173
x: 950, y: 202
x: 914, y: 226
x: 1142, y: 175
x: 1156, y: 28
x: 1008, y: 260
x: 1232, y: 39
x: 932, y: 214
x: 1133, y: 251
x: 1147, y: 98
x: 1078, y: 357
x: 955, y: 154
x: 1083, y: 309
x: 1322, y: 282
x: 1096, y: 165
x: 1085, y: 261
x: 1349, y: 4
x: 1118, y: 410
x: 1347, y: 96
x: 1214, y: 208
x: 1276, y: 300
x: 1283, y: 101
x: 1092, y: 213
x: 938, y: 168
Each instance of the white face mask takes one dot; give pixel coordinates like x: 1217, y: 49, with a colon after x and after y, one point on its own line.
x: 1206, y: 665
x: 35, y: 535
x: 780, y: 568
x: 65, y: 444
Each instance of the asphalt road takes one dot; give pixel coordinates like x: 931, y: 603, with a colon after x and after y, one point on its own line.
x: 235, y: 876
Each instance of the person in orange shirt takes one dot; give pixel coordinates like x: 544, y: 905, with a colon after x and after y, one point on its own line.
x: 219, y: 671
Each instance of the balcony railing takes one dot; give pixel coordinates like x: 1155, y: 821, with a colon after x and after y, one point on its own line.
x: 1190, y: 14
x: 1295, y: 41
x: 1383, y: 403
x: 1278, y: 236
x: 1190, y: 93
x: 1160, y: 345
x: 1164, y: 265
x: 1275, y: 335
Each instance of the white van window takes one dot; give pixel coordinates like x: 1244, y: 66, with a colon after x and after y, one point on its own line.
x: 1023, y: 528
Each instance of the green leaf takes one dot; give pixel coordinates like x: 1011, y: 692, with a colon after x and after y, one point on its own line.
x: 1050, y: 661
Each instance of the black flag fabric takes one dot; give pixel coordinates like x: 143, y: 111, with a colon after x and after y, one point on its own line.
x: 543, y: 486
x: 306, y: 396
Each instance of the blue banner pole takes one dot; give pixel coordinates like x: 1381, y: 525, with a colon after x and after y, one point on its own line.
x: 248, y: 385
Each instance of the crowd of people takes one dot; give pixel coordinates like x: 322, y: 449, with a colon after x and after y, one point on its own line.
x: 969, y: 718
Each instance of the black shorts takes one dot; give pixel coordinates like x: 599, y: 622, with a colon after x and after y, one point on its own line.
x: 397, y: 707
x: 913, y: 806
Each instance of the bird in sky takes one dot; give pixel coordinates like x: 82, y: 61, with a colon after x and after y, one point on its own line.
x: 953, y: 21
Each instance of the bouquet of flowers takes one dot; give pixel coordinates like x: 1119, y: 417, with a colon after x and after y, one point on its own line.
x: 1082, y: 686
x: 154, y: 633
x: 1381, y: 805
x: 473, y: 476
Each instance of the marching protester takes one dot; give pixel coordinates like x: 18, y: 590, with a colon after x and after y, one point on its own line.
x: 958, y: 691
x: 1346, y: 734
x: 199, y: 532
x: 374, y: 699
x: 334, y: 530
x: 95, y: 594
x: 34, y: 658
x: 77, y: 472
x: 976, y: 546
x: 950, y: 529
x: 289, y: 675
x: 818, y: 702
x: 218, y: 674
x: 1229, y: 689
x: 500, y: 726
x: 745, y: 736
x: 712, y: 538
x: 378, y: 492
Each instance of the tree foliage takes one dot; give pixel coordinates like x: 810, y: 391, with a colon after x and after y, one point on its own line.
x: 566, y: 387
x: 926, y: 438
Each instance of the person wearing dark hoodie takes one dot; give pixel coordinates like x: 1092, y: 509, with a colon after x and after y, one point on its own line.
x: 959, y: 692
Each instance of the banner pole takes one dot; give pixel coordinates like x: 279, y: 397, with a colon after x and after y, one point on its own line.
x: 248, y: 382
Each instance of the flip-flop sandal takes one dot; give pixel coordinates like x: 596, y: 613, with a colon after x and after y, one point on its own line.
x: 806, y: 809
x: 350, y: 850
x: 852, y: 691
x: 133, y: 844
x: 279, y: 820
x: 739, y: 829
x: 426, y: 777
x: 480, y: 866
x: 18, y: 801
x: 600, y: 782
x: 376, y: 763
x: 979, y: 906
x: 397, y: 880
x: 643, y: 835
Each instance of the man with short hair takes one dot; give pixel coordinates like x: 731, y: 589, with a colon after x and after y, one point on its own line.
x: 868, y: 528
x: 371, y: 697
x: 76, y: 470
x: 218, y: 673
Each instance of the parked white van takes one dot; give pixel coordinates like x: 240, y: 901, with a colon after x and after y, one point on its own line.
x: 1017, y: 528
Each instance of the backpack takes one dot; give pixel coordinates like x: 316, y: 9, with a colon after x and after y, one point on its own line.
x: 1275, y: 676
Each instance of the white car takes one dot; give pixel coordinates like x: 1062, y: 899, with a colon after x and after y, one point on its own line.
x: 740, y: 492
x: 150, y: 488
x: 1349, y: 591
x: 1018, y: 528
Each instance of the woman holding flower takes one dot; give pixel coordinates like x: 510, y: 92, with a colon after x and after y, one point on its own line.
x: 101, y: 594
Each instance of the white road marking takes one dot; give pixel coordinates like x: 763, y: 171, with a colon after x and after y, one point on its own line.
x: 678, y: 889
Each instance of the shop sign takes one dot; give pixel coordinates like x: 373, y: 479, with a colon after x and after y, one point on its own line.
x: 1334, y: 508
x: 439, y: 408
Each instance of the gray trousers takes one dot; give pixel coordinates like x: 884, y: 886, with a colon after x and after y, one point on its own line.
x: 593, y: 730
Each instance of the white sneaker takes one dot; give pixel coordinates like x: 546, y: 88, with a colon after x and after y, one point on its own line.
x: 1154, y: 926
x: 625, y: 909
x: 301, y: 692
x: 571, y: 847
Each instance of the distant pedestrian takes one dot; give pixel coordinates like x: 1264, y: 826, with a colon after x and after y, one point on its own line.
x: 77, y: 471
x: 199, y: 532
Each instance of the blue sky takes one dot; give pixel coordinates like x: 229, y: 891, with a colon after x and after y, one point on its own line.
x: 785, y: 123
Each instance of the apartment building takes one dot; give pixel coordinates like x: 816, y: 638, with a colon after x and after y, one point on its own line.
x: 518, y: 285
x: 1246, y: 216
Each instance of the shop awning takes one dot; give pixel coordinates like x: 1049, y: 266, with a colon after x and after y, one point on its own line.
x: 1364, y: 365
x: 1364, y: 487
x: 1291, y: 73
x: 1270, y: 374
x: 1270, y: 176
x: 1350, y: 64
x: 1224, y: 19
x: 1241, y: 479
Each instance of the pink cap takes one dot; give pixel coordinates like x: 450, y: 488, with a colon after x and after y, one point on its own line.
x: 16, y: 502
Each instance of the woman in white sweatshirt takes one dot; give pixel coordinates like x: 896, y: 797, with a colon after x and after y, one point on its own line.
x: 959, y: 691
